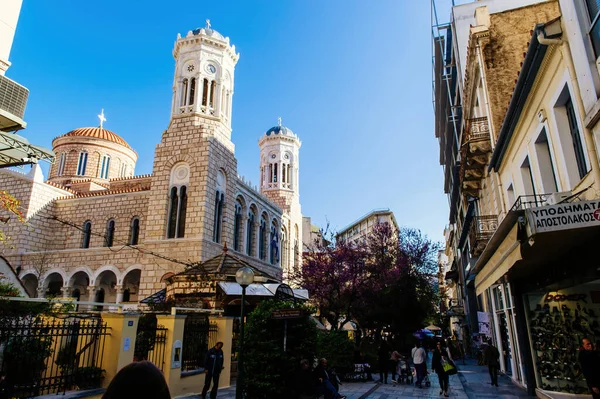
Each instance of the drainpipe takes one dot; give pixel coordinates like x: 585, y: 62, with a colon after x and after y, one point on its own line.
x: 541, y: 38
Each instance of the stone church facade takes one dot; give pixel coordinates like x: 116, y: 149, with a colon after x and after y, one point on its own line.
x: 98, y: 232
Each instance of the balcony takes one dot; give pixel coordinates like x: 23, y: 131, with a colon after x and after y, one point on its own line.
x: 13, y: 99
x: 482, y: 229
x: 475, y: 150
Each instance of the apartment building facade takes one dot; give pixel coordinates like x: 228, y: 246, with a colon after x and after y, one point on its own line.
x: 527, y: 170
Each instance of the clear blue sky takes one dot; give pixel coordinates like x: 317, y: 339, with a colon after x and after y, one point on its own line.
x: 351, y: 78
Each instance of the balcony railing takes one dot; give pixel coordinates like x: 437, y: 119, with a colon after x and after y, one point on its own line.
x: 477, y: 129
x: 529, y: 201
x: 475, y: 150
x: 482, y: 229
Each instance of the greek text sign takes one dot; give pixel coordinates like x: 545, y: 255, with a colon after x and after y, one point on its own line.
x: 287, y: 314
x: 573, y: 215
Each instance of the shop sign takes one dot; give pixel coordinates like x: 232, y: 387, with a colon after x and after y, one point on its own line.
x: 564, y: 297
x: 282, y: 314
x: 567, y: 216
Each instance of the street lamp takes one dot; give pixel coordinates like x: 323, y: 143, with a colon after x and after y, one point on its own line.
x: 244, y: 277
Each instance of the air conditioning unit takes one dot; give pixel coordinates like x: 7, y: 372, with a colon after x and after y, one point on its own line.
x: 556, y: 198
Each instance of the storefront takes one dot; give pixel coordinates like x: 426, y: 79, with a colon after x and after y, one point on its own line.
x: 540, y: 285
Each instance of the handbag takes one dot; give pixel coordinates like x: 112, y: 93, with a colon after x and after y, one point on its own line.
x: 449, y: 367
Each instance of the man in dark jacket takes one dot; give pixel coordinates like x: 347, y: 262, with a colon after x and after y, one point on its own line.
x: 589, y: 359
x: 213, y: 363
x: 491, y: 357
x: 324, y: 379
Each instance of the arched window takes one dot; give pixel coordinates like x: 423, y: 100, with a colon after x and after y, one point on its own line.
x: 177, y: 212
x: 275, y: 173
x: 283, y: 175
x: 123, y: 172
x: 192, y: 91
x: 283, y: 248
x: 205, y: 92
x: 270, y: 173
x: 82, y: 163
x: 213, y: 85
x: 296, y: 248
x: 134, y: 232
x: 184, y: 92
x: 61, y: 164
x: 274, y: 244
x: 87, y: 234
x: 250, y: 233
x: 219, y: 202
x: 262, y: 239
x: 104, y: 166
x: 110, y: 233
x: 237, y: 226
x: 126, y: 295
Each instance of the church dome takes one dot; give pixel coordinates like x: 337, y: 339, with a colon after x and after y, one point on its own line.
x: 281, y: 130
x: 208, y: 32
x: 97, y: 133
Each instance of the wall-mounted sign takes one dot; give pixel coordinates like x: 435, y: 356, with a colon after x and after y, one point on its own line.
x: 130, y: 323
x: 572, y: 215
x: 127, y: 344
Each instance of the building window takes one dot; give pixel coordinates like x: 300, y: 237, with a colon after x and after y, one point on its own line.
x: 593, y: 8
x: 110, y: 233
x: 123, y: 172
x: 192, y: 91
x: 213, y: 85
x: 577, y: 144
x: 274, y: 244
x: 82, y: 163
x: 219, y: 202
x: 184, y: 92
x: 134, y: 231
x: 510, y: 194
x: 250, y: 233
x: 177, y: 212
x: 205, y: 92
x: 87, y: 234
x: 104, y: 167
x: 546, y: 166
x: 262, y: 239
x: 527, y: 177
x: 237, y: 226
x: 61, y: 164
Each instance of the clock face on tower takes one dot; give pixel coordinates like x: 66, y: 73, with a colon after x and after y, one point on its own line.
x: 210, y: 68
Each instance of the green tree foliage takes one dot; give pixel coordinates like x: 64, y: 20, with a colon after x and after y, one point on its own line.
x: 337, y: 348
x: 269, y: 371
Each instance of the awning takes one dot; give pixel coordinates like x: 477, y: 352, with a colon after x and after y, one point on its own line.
x: 264, y: 290
x: 15, y: 150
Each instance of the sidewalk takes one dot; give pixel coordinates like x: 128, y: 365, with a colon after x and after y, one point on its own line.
x: 476, y: 382
x: 471, y: 382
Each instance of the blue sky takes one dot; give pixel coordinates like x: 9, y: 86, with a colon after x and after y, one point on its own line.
x: 351, y: 78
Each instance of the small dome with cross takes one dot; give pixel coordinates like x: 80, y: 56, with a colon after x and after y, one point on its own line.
x: 280, y: 130
x: 208, y: 31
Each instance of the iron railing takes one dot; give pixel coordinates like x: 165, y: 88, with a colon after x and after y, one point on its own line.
x: 477, y: 129
x: 41, y: 356
x: 529, y: 201
x: 482, y: 229
x: 150, y: 341
x: 198, y: 336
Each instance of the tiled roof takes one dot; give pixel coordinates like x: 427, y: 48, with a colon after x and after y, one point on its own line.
x: 106, y: 192
x: 98, y: 133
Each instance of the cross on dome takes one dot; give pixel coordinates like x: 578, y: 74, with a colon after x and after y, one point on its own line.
x: 208, y: 24
x: 102, y: 118
x: 279, y: 121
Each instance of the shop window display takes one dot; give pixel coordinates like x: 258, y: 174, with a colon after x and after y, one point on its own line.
x: 558, y: 321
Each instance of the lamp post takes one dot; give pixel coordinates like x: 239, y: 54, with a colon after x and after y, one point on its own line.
x: 244, y: 277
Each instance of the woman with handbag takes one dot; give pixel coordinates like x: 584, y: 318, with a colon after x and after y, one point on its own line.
x: 442, y: 364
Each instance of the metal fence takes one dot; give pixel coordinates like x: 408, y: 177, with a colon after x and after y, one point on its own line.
x: 41, y: 356
x: 150, y: 341
x: 198, y: 336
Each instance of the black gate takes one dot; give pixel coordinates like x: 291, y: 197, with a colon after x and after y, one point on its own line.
x: 42, y: 356
x: 150, y: 341
x: 198, y: 335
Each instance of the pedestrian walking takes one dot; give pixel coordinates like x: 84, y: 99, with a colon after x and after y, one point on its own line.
x: 419, y: 358
x: 491, y: 358
x: 213, y: 364
x: 441, y: 357
x: 383, y: 360
x: 589, y: 359
x: 139, y: 380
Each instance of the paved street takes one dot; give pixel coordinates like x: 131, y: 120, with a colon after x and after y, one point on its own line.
x: 471, y: 382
